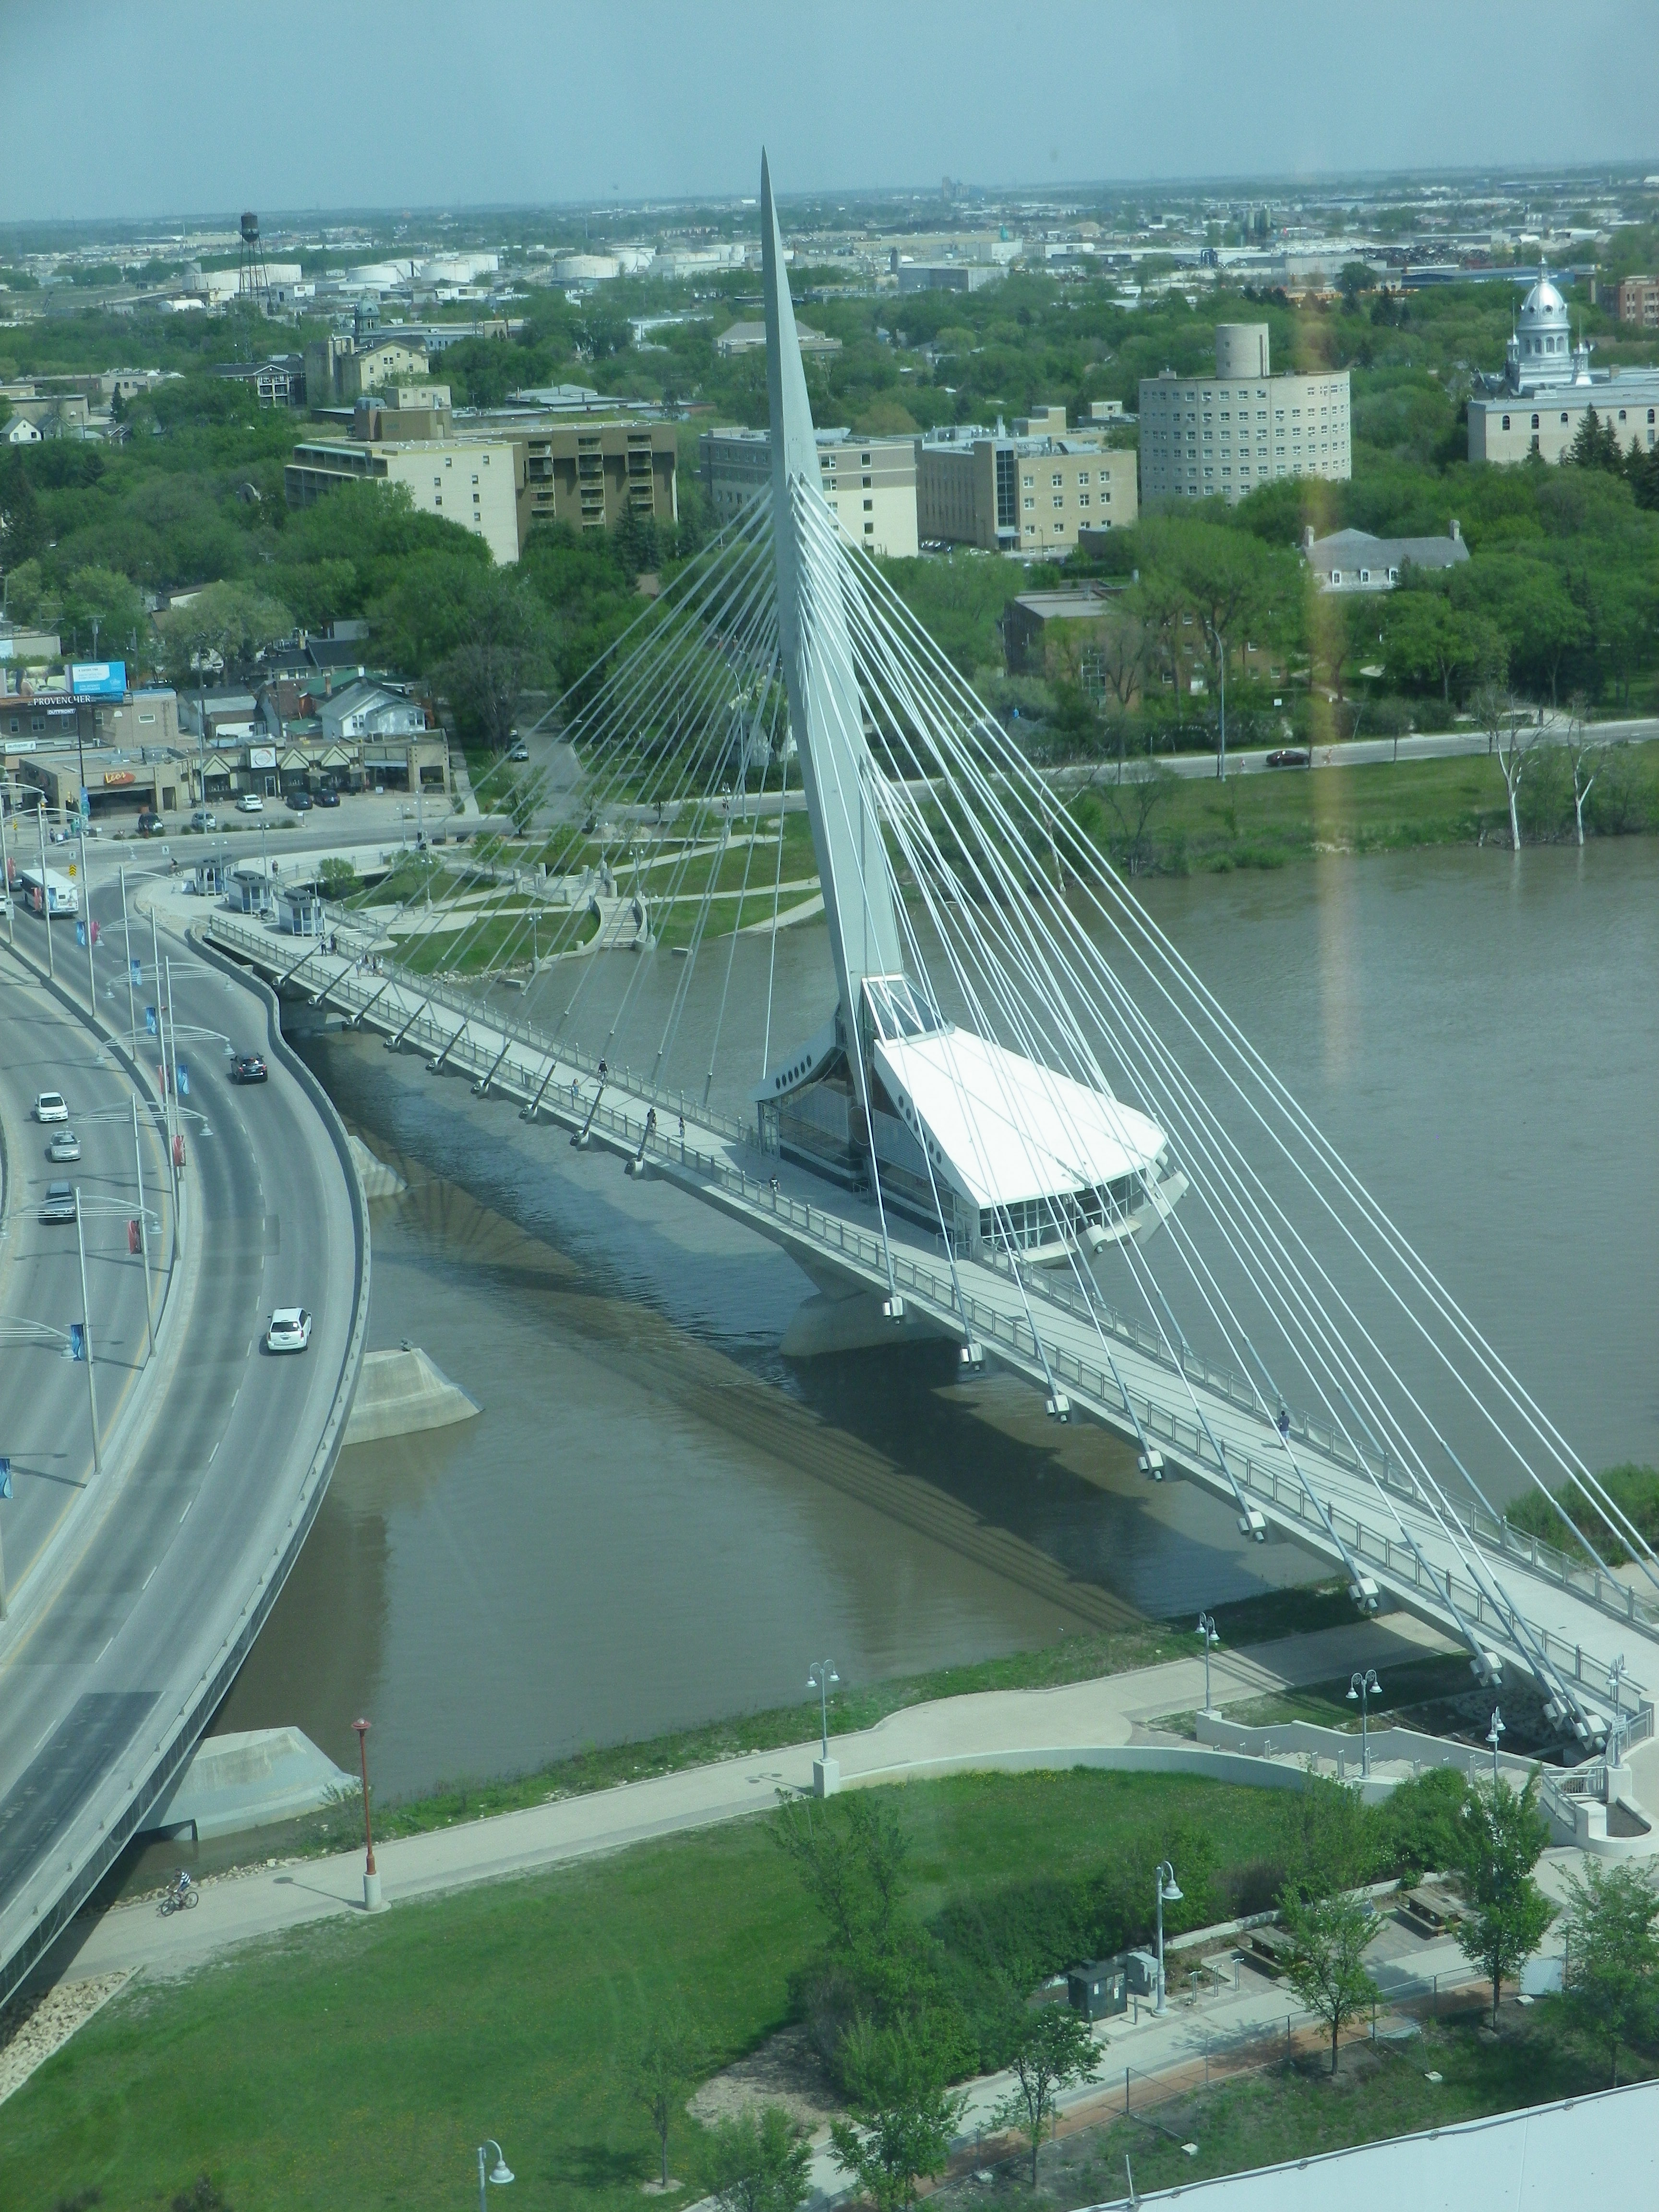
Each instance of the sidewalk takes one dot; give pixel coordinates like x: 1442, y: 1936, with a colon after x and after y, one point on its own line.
x: 1075, y: 1718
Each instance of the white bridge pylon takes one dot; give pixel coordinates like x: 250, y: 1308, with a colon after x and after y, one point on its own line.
x: 1018, y: 1115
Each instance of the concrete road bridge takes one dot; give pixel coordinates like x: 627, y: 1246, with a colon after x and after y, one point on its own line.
x: 137, y: 1580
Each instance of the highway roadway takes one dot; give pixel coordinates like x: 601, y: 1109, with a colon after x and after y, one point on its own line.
x: 129, y: 1628
x: 48, y: 1432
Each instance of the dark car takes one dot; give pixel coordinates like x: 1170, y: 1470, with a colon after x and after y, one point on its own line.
x: 1289, y: 757
x: 328, y: 796
x: 59, y: 1204
x: 248, y: 1067
x: 151, y: 824
x: 299, y: 802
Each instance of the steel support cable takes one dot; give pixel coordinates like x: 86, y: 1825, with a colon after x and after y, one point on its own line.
x: 772, y: 955
x: 1313, y: 1498
x: 1506, y: 1604
x: 1021, y: 771
x: 742, y: 893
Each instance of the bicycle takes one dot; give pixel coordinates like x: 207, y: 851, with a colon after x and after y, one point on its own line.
x: 183, y: 1897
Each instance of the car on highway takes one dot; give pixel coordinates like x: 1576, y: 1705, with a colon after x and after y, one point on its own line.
x: 59, y: 1204
x: 248, y: 1067
x: 328, y: 796
x: 299, y: 802
x: 289, y: 1329
x: 204, y: 818
x: 250, y: 803
x: 51, y: 1106
x: 1289, y: 757
x: 151, y: 824
x: 63, y: 1147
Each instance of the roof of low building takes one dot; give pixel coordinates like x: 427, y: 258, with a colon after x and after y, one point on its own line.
x: 1351, y: 548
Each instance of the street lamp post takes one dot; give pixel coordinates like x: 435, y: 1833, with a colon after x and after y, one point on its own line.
x: 373, y: 1901
x: 498, y: 2173
x: 45, y: 889
x: 1619, y: 1726
x: 1167, y: 1891
x: 1206, y: 1629
x: 86, y: 903
x: 1362, y: 1688
x: 1493, y: 1733
x: 127, y: 934
x: 86, y: 1335
x: 826, y: 1771
x: 143, y: 1227
x: 5, y: 878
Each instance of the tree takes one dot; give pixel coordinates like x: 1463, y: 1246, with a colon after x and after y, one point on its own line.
x: 117, y: 605
x: 1595, y: 445
x: 1325, y: 1965
x: 1342, y: 629
x: 1054, y: 2050
x: 1613, y: 1957
x: 507, y: 647
x: 230, y: 622
x: 1426, y: 639
x: 664, y: 2066
x: 759, y: 2163
x: 1502, y: 1834
x: 906, y: 2118
x: 1131, y: 801
x: 29, y: 601
x: 22, y: 526
x: 1585, y: 758
x: 1512, y: 735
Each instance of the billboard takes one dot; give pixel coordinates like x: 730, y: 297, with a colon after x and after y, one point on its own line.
x: 262, y: 756
x: 98, y: 679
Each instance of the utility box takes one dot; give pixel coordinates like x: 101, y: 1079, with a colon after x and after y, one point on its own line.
x: 1142, y: 1967
x: 1099, y: 1988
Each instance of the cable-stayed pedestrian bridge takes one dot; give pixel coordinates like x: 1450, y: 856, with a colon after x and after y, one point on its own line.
x: 1004, y: 1107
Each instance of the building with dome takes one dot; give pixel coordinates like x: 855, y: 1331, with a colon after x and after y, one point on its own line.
x: 1547, y: 387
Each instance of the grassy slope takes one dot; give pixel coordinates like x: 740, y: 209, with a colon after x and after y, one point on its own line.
x: 359, y: 2063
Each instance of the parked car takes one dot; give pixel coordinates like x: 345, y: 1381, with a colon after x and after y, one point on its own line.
x: 63, y: 1147
x: 248, y: 1067
x: 250, y: 803
x: 151, y: 824
x: 328, y: 796
x: 59, y: 1204
x: 51, y: 1106
x: 204, y: 818
x: 299, y: 802
x: 1289, y: 757
x: 519, y: 752
x: 289, y: 1329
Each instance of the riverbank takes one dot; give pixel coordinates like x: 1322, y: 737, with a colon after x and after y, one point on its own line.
x: 1266, y: 821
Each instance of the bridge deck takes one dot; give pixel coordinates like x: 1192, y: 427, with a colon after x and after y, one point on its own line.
x: 1577, y: 1618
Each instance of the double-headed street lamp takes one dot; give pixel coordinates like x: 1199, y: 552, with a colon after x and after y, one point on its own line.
x: 1169, y: 1891
x: 819, y: 1677
x: 1206, y: 1629
x: 1361, y: 1689
x: 498, y: 2173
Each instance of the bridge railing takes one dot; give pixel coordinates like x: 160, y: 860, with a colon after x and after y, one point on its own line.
x: 527, y: 1074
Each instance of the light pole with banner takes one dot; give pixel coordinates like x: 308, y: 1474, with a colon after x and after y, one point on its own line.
x: 86, y: 1336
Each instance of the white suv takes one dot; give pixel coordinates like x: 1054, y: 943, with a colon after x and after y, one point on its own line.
x: 289, y: 1329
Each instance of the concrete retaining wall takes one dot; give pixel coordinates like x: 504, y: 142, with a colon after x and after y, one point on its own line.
x: 401, y: 1393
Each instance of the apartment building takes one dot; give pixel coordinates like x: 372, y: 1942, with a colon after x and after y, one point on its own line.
x: 591, y: 474
x: 1221, y: 437
x: 1029, y: 493
x: 870, y: 484
x: 472, y: 483
x: 1634, y: 299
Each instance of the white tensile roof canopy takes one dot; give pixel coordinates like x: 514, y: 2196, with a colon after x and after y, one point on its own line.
x: 1005, y: 1130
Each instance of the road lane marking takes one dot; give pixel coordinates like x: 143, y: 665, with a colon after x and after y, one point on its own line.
x: 214, y: 1454
x: 148, y: 1580
x: 187, y: 1509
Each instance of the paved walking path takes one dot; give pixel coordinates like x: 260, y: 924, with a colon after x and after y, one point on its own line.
x: 1077, y: 1717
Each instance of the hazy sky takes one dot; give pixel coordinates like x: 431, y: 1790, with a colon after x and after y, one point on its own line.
x: 146, y: 107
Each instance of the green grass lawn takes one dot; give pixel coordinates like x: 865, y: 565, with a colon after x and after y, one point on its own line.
x: 359, y: 2063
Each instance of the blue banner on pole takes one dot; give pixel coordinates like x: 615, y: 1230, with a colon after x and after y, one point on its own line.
x: 80, y: 932
x: 150, y: 1022
x: 5, y: 1478
x: 77, y: 1341
x: 137, y: 971
x: 181, y: 1071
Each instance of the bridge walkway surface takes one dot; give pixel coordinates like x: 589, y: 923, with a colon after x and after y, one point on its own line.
x: 132, y: 1622
x: 1498, y: 1592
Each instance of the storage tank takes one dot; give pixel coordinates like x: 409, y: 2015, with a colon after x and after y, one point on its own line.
x: 1241, y: 349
